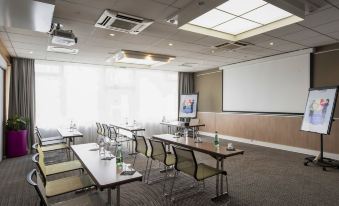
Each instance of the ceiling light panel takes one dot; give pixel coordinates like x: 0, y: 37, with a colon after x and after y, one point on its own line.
x: 237, y: 19
x: 236, y: 26
x: 212, y: 18
x: 267, y: 14
x: 239, y: 7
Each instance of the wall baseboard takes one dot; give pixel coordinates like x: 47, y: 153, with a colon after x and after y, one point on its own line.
x: 273, y: 145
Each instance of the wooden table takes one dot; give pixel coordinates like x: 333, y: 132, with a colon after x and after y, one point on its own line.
x: 134, y: 129
x: 105, y: 173
x: 180, y: 124
x: 219, y: 153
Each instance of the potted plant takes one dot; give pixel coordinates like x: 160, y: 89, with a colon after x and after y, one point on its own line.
x: 16, y: 136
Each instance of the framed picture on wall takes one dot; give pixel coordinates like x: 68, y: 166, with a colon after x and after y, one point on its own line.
x: 319, y: 110
x: 188, y: 105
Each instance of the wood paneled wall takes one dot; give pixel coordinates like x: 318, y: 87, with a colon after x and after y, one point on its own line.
x: 284, y: 130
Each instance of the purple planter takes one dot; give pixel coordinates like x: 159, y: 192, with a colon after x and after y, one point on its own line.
x: 16, y: 142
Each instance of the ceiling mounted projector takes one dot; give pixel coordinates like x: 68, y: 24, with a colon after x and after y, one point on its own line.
x: 62, y: 37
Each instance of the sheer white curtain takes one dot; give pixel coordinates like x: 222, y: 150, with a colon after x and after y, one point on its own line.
x: 85, y: 94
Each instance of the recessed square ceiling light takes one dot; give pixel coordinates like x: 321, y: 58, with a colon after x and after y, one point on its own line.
x: 236, y: 26
x: 237, y: 19
x: 239, y: 7
x: 267, y: 14
x: 212, y: 18
x: 132, y: 58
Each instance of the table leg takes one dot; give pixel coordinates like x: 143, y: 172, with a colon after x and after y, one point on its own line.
x: 222, y: 177
x: 117, y: 196
x: 220, y: 184
x: 217, y: 181
x: 109, y: 196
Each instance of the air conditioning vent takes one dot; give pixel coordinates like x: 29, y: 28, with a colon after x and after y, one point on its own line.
x: 129, y: 18
x: 122, y: 22
x: 232, y: 45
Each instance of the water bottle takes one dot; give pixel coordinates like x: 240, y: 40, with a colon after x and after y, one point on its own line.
x: 101, y: 147
x: 186, y: 132
x: 216, y: 139
x: 119, y: 158
x: 71, y: 126
x: 134, y: 123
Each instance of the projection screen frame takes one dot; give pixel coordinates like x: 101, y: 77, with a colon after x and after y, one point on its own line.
x: 310, y: 51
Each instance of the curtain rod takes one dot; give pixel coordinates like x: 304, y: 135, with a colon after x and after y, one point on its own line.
x: 208, y: 73
x: 331, y: 50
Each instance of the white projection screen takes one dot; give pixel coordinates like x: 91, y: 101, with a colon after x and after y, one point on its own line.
x: 277, y: 84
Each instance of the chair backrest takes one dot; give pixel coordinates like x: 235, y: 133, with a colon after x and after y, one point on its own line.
x: 158, y: 150
x: 38, y: 134
x: 185, y: 161
x: 141, y: 145
x: 38, y: 186
x: 194, y: 121
x: 99, y: 128
x: 113, y: 133
x: 106, y: 131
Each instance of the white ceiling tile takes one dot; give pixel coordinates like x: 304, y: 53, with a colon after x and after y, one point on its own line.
x: 161, y: 30
x: 334, y: 35
x: 300, y: 35
x: 335, y: 2
x: 328, y: 28
x: 96, y: 45
x: 25, y: 32
x: 59, y: 56
x: 186, y: 36
x: 21, y: 45
x: 25, y: 53
x: 77, y: 12
x: 317, y: 41
x: 28, y: 39
x: 280, y: 45
x: 182, y: 3
x: 79, y: 29
x: 211, y: 41
x: 285, y: 30
x: 109, y: 4
x: 258, y: 39
x: 145, y: 8
x: 321, y: 17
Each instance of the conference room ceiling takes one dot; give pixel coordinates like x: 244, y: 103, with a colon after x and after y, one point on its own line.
x: 194, y: 52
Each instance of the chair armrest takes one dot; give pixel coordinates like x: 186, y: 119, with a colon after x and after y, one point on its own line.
x: 35, y: 146
x: 34, y: 158
x: 29, y: 177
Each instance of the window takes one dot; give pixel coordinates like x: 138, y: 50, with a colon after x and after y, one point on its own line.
x: 85, y: 94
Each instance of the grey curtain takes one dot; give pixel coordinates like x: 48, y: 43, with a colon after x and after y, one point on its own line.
x: 186, y: 85
x: 22, y: 93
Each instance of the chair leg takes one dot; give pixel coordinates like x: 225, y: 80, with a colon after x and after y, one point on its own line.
x: 164, y: 182
x: 135, y: 157
x: 172, y: 186
x: 226, y: 184
x: 146, y: 170
x: 149, y: 171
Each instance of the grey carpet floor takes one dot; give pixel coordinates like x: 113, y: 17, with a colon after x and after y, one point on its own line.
x: 262, y: 176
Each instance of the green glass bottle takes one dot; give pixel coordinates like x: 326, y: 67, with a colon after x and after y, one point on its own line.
x: 119, y: 156
x: 216, y: 139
